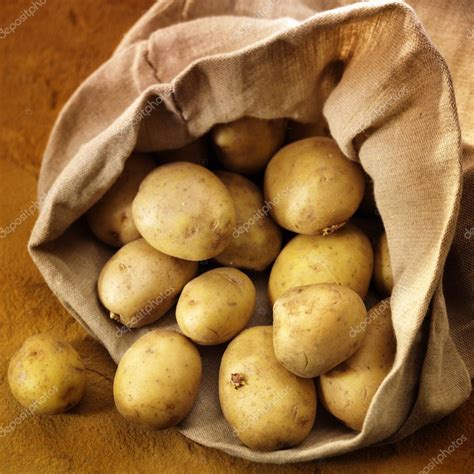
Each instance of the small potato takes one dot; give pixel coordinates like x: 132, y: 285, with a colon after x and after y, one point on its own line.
x: 382, y: 267
x: 246, y: 145
x: 194, y: 152
x: 268, y: 407
x: 184, y: 210
x: 344, y: 258
x: 47, y: 375
x: 139, y: 284
x: 347, y: 390
x: 256, y: 239
x: 216, y: 305
x: 309, y: 319
x: 110, y: 219
x: 157, y: 379
x: 321, y: 187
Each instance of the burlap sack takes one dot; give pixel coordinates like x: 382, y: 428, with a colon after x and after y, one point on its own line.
x: 387, y: 95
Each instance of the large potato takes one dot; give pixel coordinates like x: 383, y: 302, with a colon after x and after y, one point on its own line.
x: 344, y: 258
x: 194, y: 152
x: 256, y: 239
x: 312, y: 327
x: 246, y: 145
x: 110, y: 219
x: 267, y: 406
x: 157, y: 379
x: 216, y: 305
x: 317, y: 187
x: 184, y: 210
x: 47, y: 375
x: 347, y: 390
x: 382, y: 267
x: 139, y: 284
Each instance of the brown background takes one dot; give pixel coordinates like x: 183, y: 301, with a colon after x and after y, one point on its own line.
x: 42, y: 63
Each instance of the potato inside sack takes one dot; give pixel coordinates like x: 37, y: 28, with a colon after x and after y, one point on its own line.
x: 383, y: 276
x: 312, y: 327
x: 139, y: 284
x: 322, y: 187
x: 184, y: 210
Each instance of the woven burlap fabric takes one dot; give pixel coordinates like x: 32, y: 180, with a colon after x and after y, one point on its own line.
x: 388, y: 98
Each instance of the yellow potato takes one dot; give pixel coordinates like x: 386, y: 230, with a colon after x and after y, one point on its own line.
x: 267, y: 406
x: 344, y: 258
x: 157, y: 379
x: 139, y: 284
x: 256, y: 239
x: 46, y: 375
x: 110, y: 219
x: 195, y: 152
x: 184, y: 210
x: 322, y: 188
x: 216, y: 305
x: 382, y: 267
x: 347, y: 390
x: 307, y: 321
x: 246, y: 145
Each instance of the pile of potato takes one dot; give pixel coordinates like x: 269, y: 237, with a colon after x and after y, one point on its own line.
x: 290, y: 207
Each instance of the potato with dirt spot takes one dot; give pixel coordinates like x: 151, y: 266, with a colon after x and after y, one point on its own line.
x: 47, y: 375
x: 184, y: 210
x: 216, y: 305
x: 157, y: 379
x: 309, y: 319
x: 139, y: 284
x: 110, y: 219
x: 267, y: 406
x: 383, y: 276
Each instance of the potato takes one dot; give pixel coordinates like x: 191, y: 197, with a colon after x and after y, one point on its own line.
x: 344, y: 258
x: 184, y: 210
x: 382, y: 267
x: 268, y: 407
x: 46, y: 375
x: 321, y: 187
x: 194, y: 152
x: 246, y: 145
x: 110, y: 219
x: 216, y: 305
x: 139, y: 284
x: 347, y: 390
x: 256, y: 239
x: 157, y: 379
x: 309, y: 319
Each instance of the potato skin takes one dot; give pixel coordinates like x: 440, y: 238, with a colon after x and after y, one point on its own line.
x: 110, y: 219
x: 323, y: 188
x: 268, y: 407
x: 256, y: 239
x: 157, y: 379
x: 347, y: 390
x: 216, y: 305
x: 47, y: 375
x: 383, y: 276
x: 344, y: 258
x: 246, y: 145
x: 194, y: 152
x: 306, y: 322
x: 184, y: 210
x: 139, y: 284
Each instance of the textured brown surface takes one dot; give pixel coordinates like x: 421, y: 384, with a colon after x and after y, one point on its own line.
x: 43, y: 62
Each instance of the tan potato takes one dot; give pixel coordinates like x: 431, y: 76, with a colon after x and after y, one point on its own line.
x: 246, y: 145
x: 157, y: 379
x: 322, y: 188
x: 216, y: 305
x: 47, y: 375
x: 382, y: 267
x: 110, y: 219
x: 344, y: 258
x: 184, y: 210
x: 308, y: 320
x: 268, y: 407
x: 347, y: 390
x: 256, y: 239
x: 194, y: 152
x: 139, y: 284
